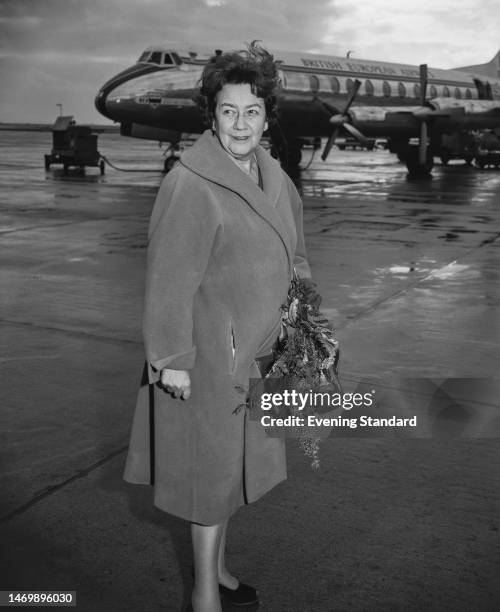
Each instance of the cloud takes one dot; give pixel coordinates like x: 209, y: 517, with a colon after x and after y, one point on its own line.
x: 443, y: 33
x: 85, y: 42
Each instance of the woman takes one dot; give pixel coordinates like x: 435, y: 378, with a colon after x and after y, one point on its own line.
x: 225, y: 235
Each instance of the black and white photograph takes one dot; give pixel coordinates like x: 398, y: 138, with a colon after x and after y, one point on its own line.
x: 250, y: 305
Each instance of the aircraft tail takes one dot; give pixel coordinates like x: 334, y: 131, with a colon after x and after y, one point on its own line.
x: 490, y: 69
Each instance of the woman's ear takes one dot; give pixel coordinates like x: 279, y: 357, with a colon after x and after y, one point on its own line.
x: 266, y: 125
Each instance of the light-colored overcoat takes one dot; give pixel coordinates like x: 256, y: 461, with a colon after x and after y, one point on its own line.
x: 221, y: 253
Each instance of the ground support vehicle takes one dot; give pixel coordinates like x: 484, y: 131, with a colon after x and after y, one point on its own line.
x: 73, y: 146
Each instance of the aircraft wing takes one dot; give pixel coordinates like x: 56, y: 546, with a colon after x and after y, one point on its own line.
x: 441, y: 115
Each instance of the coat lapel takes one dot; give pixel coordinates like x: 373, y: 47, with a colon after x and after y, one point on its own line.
x: 207, y: 159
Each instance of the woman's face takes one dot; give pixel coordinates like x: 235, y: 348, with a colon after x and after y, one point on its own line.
x: 240, y: 120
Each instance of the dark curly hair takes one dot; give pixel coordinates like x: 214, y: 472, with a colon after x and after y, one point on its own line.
x: 253, y: 65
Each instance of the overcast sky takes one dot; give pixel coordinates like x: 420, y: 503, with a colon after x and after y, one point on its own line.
x: 61, y: 51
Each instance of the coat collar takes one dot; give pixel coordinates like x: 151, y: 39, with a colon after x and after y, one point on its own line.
x: 208, y: 159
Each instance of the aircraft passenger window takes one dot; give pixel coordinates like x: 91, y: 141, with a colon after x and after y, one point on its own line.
x: 401, y: 90
x: 314, y: 83
x: 335, y: 85
x: 433, y: 92
x: 167, y: 59
x: 416, y: 90
x: 458, y: 93
x: 386, y: 88
x: 144, y: 57
x: 446, y: 92
x: 468, y: 94
x: 349, y: 84
x: 369, y: 89
x: 155, y: 58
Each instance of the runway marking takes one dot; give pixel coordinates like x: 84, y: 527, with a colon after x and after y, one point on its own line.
x: 430, y: 276
x: 54, y: 488
x: 63, y: 224
x: 71, y: 332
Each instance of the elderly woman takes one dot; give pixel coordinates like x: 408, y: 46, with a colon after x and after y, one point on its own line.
x: 225, y: 236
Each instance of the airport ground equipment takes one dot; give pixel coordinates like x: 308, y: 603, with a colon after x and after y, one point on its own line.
x: 353, y: 143
x: 488, y: 150
x: 73, y: 146
x: 457, y: 145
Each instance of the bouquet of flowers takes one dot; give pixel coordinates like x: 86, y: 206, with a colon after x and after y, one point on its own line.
x: 308, y: 356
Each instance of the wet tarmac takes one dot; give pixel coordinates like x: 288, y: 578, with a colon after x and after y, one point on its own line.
x: 409, y: 273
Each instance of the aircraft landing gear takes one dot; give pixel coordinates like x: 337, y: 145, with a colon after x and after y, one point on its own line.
x: 289, y: 155
x: 415, y: 168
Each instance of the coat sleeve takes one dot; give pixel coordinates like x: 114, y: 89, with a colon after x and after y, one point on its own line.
x: 300, y: 262
x: 182, y: 234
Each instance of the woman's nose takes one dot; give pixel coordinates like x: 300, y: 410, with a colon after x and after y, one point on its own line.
x: 239, y: 122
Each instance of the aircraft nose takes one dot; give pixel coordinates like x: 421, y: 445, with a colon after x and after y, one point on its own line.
x: 100, y: 102
x: 120, y: 78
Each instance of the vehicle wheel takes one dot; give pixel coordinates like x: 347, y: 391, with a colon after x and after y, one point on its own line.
x: 102, y: 166
x: 65, y: 168
x: 47, y: 162
x: 468, y: 159
x: 445, y: 158
x: 479, y: 163
x: 341, y: 147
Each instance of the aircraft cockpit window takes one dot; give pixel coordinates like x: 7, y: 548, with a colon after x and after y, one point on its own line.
x: 386, y: 89
x: 446, y: 92
x: 167, y: 59
x: 335, y: 84
x: 433, y: 92
x: 401, y: 90
x: 369, y: 89
x: 155, y: 57
x: 144, y: 57
x: 468, y: 94
x: 314, y: 83
x: 457, y: 93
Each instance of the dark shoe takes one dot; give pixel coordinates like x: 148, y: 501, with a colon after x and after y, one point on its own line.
x: 244, y: 595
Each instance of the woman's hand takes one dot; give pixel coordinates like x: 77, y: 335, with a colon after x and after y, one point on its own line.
x: 176, y: 382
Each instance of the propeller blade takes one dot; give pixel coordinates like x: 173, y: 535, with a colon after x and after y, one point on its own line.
x: 341, y: 119
x: 350, y: 99
x: 356, y: 133
x: 422, y: 149
x: 423, y: 84
x: 327, y: 106
x: 329, y: 144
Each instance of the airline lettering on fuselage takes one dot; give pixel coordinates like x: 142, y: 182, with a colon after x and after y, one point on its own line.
x: 365, y: 68
x: 323, y: 64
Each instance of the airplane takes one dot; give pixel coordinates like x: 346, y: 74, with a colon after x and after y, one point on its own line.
x: 414, y: 107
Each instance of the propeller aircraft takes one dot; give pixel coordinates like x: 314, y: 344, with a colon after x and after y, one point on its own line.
x: 413, y: 107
